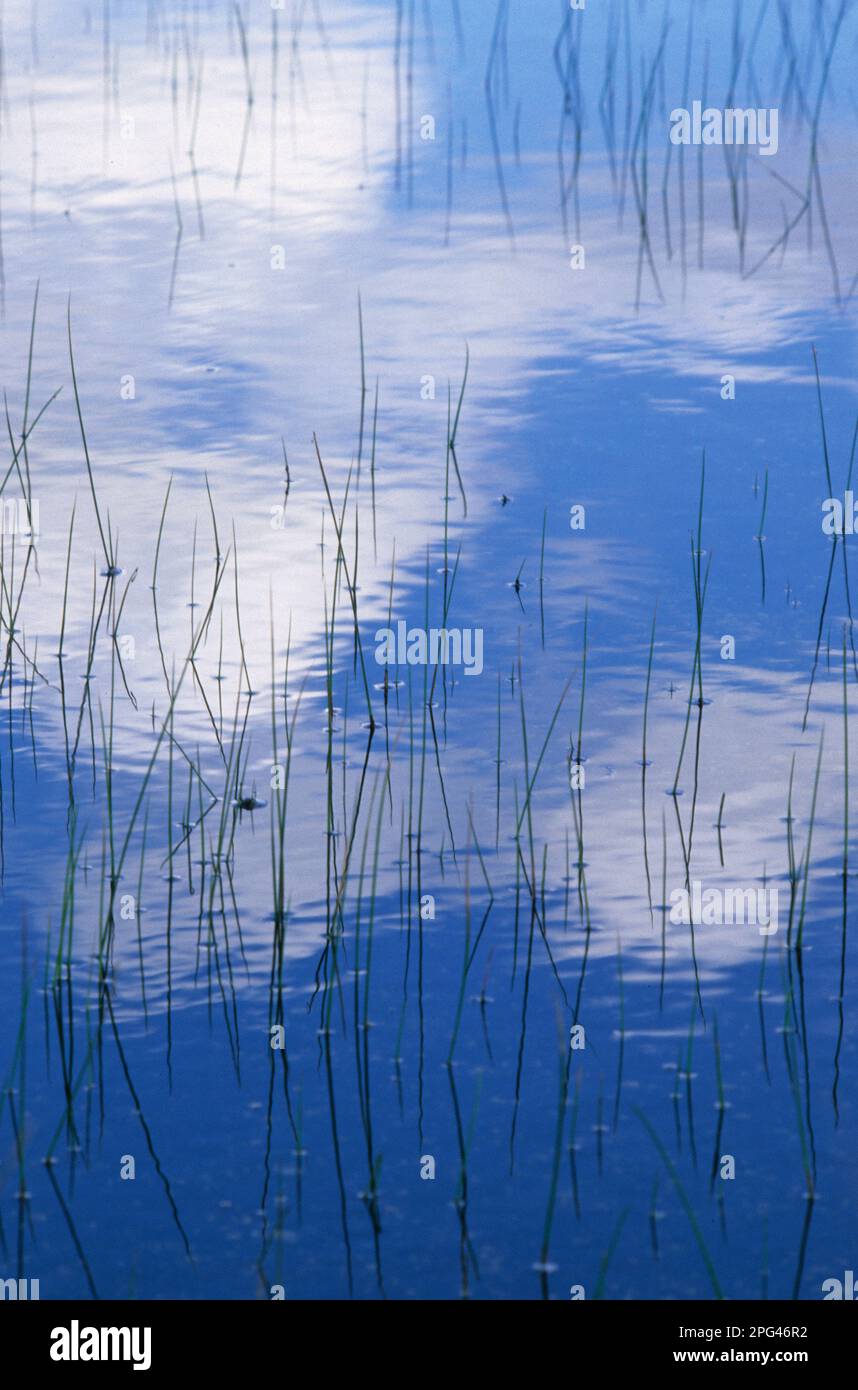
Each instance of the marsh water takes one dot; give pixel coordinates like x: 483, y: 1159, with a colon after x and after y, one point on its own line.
x: 324, y: 977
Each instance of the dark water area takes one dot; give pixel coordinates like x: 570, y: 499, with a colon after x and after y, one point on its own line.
x: 327, y: 326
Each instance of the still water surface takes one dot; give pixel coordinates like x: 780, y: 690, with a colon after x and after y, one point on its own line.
x: 389, y: 227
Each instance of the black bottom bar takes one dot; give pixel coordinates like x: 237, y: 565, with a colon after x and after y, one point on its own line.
x: 60, y: 1338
